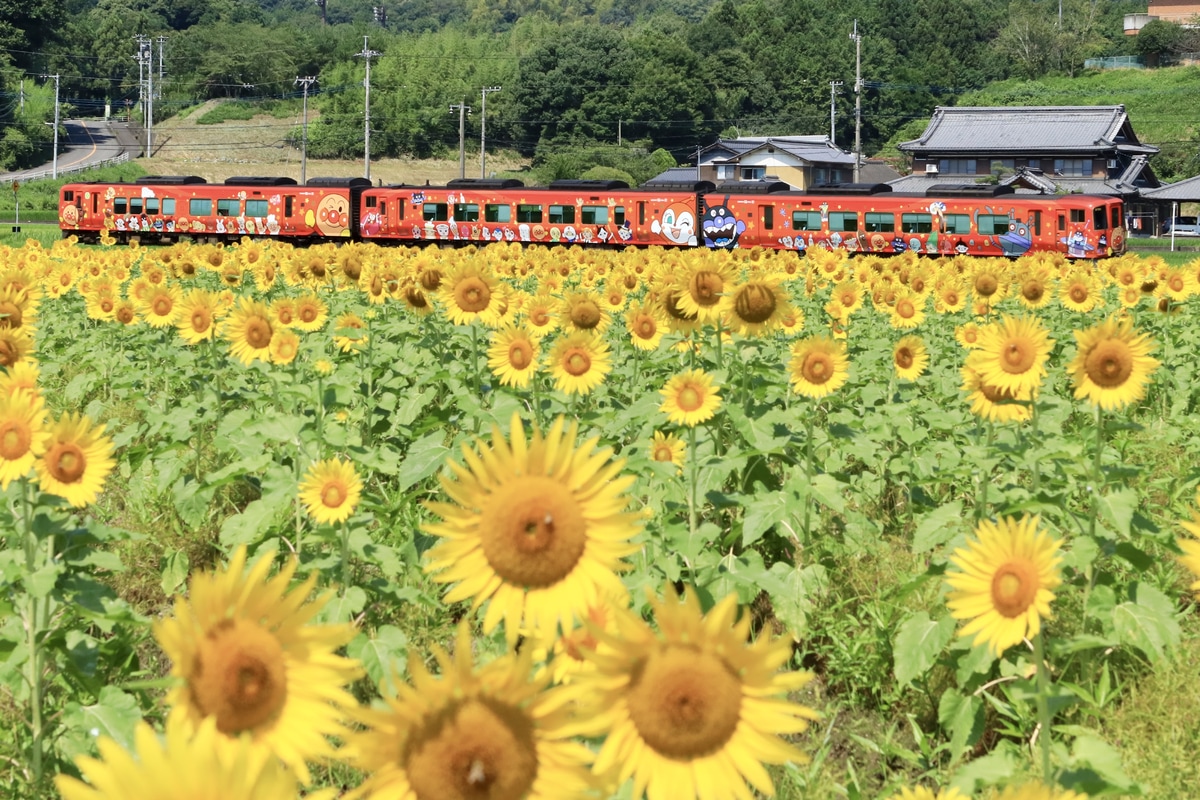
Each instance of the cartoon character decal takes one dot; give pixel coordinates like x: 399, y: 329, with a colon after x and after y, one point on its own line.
x: 333, y: 215
x: 1077, y: 244
x: 70, y: 216
x: 678, y: 224
x: 1017, y: 240
x: 720, y: 228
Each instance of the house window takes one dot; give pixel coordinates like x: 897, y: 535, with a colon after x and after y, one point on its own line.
x: 725, y: 172
x: 806, y: 220
x: 845, y: 221
x: 753, y: 173
x: 875, y: 222
x: 494, y: 212
x: 1072, y: 167
x: 956, y: 166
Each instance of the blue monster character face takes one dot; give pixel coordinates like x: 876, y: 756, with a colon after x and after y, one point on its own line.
x: 720, y: 228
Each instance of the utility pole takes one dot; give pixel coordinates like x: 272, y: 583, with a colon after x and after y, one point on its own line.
x: 833, y: 87
x: 306, y: 82
x: 367, y: 54
x: 145, y: 59
x: 321, y: 5
x: 380, y: 14
x: 55, y: 161
x: 858, y: 85
x: 462, y: 109
x: 483, y: 121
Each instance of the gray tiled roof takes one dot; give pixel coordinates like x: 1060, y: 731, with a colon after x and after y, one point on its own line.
x: 674, y: 175
x: 1186, y: 191
x: 813, y: 149
x: 1027, y: 129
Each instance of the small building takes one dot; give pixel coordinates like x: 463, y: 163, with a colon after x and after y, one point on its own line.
x: 799, y: 161
x: 1181, y: 13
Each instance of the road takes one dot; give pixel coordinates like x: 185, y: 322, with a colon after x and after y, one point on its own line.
x: 85, y: 143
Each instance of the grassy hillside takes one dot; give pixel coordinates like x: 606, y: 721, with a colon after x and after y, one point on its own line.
x: 1163, y: 106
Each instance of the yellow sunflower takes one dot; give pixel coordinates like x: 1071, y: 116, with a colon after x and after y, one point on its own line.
x: 311, y: 313
x: 579, y: 363
x: 285, y: 346
x: 910, y: 358
x: 541, y: 314
x: 1012, y: 353
x: 283, y: 312
x: 21, y: 377
x: 349, y: 333
x: 183, y: 764
x: 468, y: 293
x: 1191, y: 551
x: 1079, y: 292
x: 1039, y: 791
x: 18, y: 308
x: 819, y: 366
x: 697, y: 708
x: 244, y: 652
x: 1004, y: 581
x: 486, y: 732
x: 690, y: 398
x: 949, y: 297
x: 513, y: 356
x: 159, y: 307
x: 23, y: 434
x: 248, y: 330
x: 584, y: 311
x: 1113, y: 364
x: 330, y: 490
x: 646, y: 326
x: 967, y: 335
x: 537, y: 529
x: 199, y: 311
x: 704, y: 282
x: 16, y: 345
x: 77, y: 459
x: 669, y: 448
x: 909, y: 309
x: 756, y: 307
x: 922, y: 793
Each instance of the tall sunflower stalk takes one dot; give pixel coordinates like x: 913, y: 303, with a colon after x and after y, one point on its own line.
x: 37, y: 614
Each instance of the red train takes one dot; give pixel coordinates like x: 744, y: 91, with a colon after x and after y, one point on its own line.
x: 980, y: 220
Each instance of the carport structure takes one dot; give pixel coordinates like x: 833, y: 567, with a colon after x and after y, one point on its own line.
x: 1166, y: 202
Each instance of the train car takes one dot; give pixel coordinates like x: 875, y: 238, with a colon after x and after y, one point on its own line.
x: 580, y: 212
x: 978, y: 220
x: 167, y: 208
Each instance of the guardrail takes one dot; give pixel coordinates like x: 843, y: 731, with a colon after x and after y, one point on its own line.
x: 48, y: 173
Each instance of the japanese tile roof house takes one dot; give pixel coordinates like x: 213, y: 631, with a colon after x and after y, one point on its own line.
x: 1047, y: 149
x: 800, y: 161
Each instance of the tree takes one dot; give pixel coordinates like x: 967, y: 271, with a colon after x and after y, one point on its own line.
x: 1157, y: 38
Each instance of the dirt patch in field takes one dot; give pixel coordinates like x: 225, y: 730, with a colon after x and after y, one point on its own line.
x: 258, y: 147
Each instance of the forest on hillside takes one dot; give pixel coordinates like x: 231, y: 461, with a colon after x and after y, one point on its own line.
x: 604, y: 78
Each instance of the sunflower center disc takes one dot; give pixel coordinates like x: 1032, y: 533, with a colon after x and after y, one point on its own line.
x: 817, y: 368
x: 685, y: 704
x: 577, y: 363
x: 1109, y: 364
x: 1016, y: 358
x: 258, y: 333
x: 1033, y: 291
x: 200, y: 321
x: 333, y: 495
x: 1014, y: 587
x: 986, y: 285
x: 431, y: 279
x: 480, y: 751
x: 162, y: 306
x: 473, y: 295
x: 755, y: 304
x: 533, y: 531
x: 904, y: 358
x: 663, y: 453
x: 905, y: 309
x: 646, y: 327
x: 585, y: 315
x: 10, y: 315
x: 689, y: 398
x: 66, y: 462
x: 1078, y: 293
x: 518, y: 355
x: 307, y: 314
x: 239, y: 676
x: 14, y: 440
x: 706, y: 288
x: 671, y: 306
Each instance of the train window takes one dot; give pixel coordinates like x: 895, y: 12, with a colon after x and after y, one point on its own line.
x: 1062, y: 222
x: 1078, y: 215
x: 619, y: 215
x: 371, y: 201
x: 594, y: 215
x: 95, y: 202
x: 806, y: 220
x: 467, y: 212
x: 256, y: 208
x: 562, y: 215
x: 168, y: 205
x: 767, y: 213
x: 957, y: 223
x: 400, y: 204
x: 993, y: 224
x: 229, y: 208
x: 68, y: 195
x: 200, y: 207
x: 877, y: 222
x: 641, y: 213
x: 135, y: 205
x: 151, y: 205
x: 527, y: 212
x: 916, y: 223
x: 383, y: 209
x: 1035, y: 223
x: 1116, y: 216
x: 435, y: 212
x: 845, y: 221
x: 120, y: 205
x: 496, y: 212
x: 1100, y: 218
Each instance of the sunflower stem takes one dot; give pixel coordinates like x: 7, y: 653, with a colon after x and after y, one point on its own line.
x: 695, y: 480
x: 345, y: 557
x: 808, y: 472
x: 981, y: 507
x: 1043, y: 701
x: 33, y: 624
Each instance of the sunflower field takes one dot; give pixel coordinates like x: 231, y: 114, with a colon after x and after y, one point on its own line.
x: 500, y: 523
